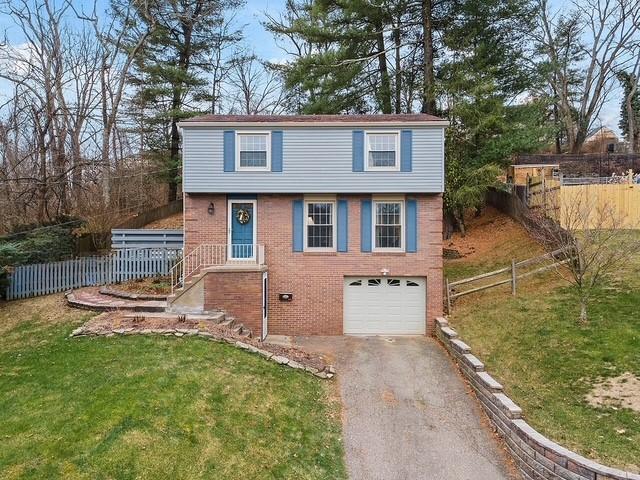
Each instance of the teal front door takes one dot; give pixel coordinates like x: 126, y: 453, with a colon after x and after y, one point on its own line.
x: 242, y: 229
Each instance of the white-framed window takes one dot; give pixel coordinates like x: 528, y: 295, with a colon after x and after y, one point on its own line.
x: 383, y: 150
x: 320, y: 225
x: 253, y: 151
x: 388, y: 225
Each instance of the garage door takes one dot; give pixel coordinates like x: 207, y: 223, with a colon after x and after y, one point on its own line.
x: 384, y: 306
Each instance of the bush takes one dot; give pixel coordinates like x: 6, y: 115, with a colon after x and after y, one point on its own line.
x: 42, y: 245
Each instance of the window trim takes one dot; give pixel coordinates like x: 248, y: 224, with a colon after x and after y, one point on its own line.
x: 334, y: 222
x: 374, y: 202
x: 368, y: 168
x: 267, y: 167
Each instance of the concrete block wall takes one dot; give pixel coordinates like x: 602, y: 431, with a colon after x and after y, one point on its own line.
x: 536, y: 456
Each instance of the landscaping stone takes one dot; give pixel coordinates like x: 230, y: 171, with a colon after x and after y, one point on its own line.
x: 294, y: 364
x: 280, y: 359
x: 449, y: 332
x: 76, y: 332
x: 489, y: 382
x: 126, y: 323
x: 536, y: 456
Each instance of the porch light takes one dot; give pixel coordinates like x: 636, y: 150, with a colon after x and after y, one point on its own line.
x: 211, y: 210
x: 384, y: 272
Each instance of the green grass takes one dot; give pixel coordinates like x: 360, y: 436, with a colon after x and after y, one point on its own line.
x: 153, y: 407
x: 534, y: 345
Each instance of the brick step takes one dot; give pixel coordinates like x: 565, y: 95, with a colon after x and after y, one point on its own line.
x: 114, y: 292
x: 91, y: 299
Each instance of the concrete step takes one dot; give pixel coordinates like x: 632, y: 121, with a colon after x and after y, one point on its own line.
x: 228, y: 322
x: 237, y: 329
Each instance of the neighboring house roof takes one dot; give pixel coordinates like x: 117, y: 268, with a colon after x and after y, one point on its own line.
x: 598, y: 134
x: 330, y: 119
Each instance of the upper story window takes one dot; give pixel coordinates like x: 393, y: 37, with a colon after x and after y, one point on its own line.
x: 320, y: 225
x: 388, y: 225
x: 253, y: 151
x: 383, y: 151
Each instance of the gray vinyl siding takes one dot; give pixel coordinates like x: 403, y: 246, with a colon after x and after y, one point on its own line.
x: 315, y: 160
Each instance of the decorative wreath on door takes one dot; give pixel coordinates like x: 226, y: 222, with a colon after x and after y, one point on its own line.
x: 243, y: 216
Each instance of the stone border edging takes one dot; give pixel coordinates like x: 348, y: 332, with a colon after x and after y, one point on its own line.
x: 114, y: 292
x: 536, y: 456
x: 326, y: 373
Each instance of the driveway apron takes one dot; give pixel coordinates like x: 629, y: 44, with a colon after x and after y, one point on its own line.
x: 407, y: 413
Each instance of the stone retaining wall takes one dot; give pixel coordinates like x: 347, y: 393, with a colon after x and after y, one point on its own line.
x: 537, y: 457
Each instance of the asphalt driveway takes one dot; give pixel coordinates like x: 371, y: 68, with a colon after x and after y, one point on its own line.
x: 407, y: 413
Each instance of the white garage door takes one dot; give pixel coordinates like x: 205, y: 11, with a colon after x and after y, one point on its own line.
x: 384, y: 306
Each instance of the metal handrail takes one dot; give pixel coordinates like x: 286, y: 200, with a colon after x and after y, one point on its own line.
x: 209, y: 255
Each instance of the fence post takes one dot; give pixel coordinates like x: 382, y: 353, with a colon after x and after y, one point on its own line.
x: 448, y: 294
x: 514, y: 277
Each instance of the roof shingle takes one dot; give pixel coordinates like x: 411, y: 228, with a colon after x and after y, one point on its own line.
x: 406, y: 117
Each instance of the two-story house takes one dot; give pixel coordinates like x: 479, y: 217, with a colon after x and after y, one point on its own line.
x: 314, y: 224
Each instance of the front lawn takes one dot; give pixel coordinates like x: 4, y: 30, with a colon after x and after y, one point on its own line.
x: 547, y: 362
x: 153, y: 407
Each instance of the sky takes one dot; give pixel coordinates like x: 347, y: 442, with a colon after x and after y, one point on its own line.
x: 264, y: 45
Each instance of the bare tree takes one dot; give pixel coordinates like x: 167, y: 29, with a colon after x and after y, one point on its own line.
x: 594, y: 238
x: 583, y: 49
x: 257, y: 89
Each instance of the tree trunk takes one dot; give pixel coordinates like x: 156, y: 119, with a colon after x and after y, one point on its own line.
x: 632, y: 135
x: 584, y: 317
x: 578, y: 139
x: 385, y: 82
x: 398, y: 92
x: 459, y: 216
x: 448, y: 224
x: 428, y: 88
x: 557, y: 128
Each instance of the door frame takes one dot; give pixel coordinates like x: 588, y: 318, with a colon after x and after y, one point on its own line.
x: 265, y: 304
x: 254, y: 204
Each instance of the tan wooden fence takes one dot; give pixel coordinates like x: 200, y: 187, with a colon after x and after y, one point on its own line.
x: 589, y: 199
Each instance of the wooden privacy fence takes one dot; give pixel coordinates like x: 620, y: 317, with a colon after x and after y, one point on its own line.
x: 588, y: 200
x: 145, y: 238
x: 118, y: 266
x: 503, y: 276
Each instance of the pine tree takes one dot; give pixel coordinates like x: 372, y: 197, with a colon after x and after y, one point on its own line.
x: 630, y: 103
x: 171, y: 74
x: 357, y: 56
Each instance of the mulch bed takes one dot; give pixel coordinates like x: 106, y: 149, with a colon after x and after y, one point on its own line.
x: 150, y: 285
x: 120, y: 323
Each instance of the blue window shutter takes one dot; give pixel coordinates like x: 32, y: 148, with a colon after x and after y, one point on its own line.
x: 357, y: 150
x: 298, y: 225
x: 229, y: 150
x: 365, y: 226
x: 343, y: 226
x: 406, y: 140
x: 276, y: 151
x: 411, y: 220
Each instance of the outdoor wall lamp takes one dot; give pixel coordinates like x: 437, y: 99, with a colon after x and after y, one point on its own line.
x: 211, y: 209
x: 384, y: 272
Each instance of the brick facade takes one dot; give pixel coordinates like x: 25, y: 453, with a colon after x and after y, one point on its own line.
x: 238, y: 293
x: 316, y: 280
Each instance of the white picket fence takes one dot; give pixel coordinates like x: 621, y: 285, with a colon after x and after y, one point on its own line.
x: 117, y: 266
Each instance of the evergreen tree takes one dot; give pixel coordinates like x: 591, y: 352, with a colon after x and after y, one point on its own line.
x: 483, y: 78
x: 171, y: 74
x: 630, y: 104
x: 356, y: 56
